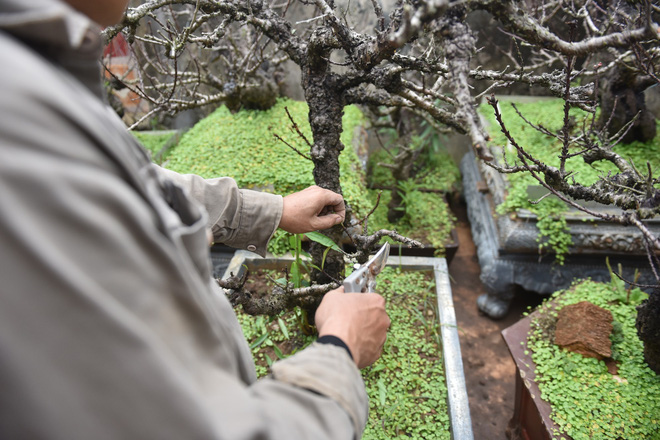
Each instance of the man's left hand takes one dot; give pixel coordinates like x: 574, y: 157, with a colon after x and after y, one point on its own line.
x: 312, y: 209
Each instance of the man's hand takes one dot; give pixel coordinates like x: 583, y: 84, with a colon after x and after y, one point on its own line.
x: 312, y: 209
x: 358, y: 319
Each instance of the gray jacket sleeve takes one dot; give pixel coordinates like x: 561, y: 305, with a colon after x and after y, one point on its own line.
x: 239, y: 218
x: 110, y: 325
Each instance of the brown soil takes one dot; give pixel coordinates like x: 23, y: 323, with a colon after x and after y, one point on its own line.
x: 489, y: 369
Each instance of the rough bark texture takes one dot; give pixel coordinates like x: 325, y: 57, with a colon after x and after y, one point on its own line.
x: 585, y: 328
x: 648, y: 328
x: 326, y: 108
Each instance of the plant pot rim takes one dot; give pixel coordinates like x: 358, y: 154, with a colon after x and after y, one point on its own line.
x: 525, y: 369
x: 459, y: 412
x: 590, y: 235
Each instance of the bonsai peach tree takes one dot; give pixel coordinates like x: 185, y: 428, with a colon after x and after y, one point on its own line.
x: 417, y: 56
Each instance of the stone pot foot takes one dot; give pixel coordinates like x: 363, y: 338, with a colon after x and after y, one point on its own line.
x: 493, y: 306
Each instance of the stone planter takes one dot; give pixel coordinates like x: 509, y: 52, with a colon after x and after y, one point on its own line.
x: 459, y: 413
x: 507, y: 245
x: 427, y: 251
x: 581, y: 352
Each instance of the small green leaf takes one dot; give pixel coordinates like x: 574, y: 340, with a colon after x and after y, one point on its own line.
x: 292, y: 242
x: 322, y: 239
x: 282, y: 325
x: 325, y: 254
x: 637, y: 296
x: 259, y: 341
x: 382, y: 392
x: 295, y: 274
x: 278, y: 352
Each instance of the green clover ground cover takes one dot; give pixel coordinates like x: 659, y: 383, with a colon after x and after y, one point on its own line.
x: 243, y: 146
x: 549, y: 113
x: 427, y: 218
x: 406, y: 386
x: 587, y: 401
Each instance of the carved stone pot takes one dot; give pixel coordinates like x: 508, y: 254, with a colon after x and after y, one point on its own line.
x: 507, y: 245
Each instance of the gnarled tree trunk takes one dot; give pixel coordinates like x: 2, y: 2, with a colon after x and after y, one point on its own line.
x: 326, y: 108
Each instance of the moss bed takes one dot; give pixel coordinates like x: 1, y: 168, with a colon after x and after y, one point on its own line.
x: 155, y: 142
x: 587, y: 401
x: 439, y: 172
x: 549, y: 113
x: 406, y: 386
x: 427, y: 216
x: 243, y: 146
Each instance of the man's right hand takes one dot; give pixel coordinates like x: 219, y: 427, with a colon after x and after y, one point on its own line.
x: 358, y: 319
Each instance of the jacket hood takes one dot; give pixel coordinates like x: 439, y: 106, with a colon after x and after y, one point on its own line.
x: 51, y: 23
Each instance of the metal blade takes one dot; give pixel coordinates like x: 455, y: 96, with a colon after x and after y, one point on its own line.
x: 377, y: 263
x: 363, y: 279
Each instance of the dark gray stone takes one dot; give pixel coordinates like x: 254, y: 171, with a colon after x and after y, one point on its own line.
x: 508, y: 251
x: 220, y: 258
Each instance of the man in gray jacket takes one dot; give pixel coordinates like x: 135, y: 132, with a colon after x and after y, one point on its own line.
x: 110, y: 324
